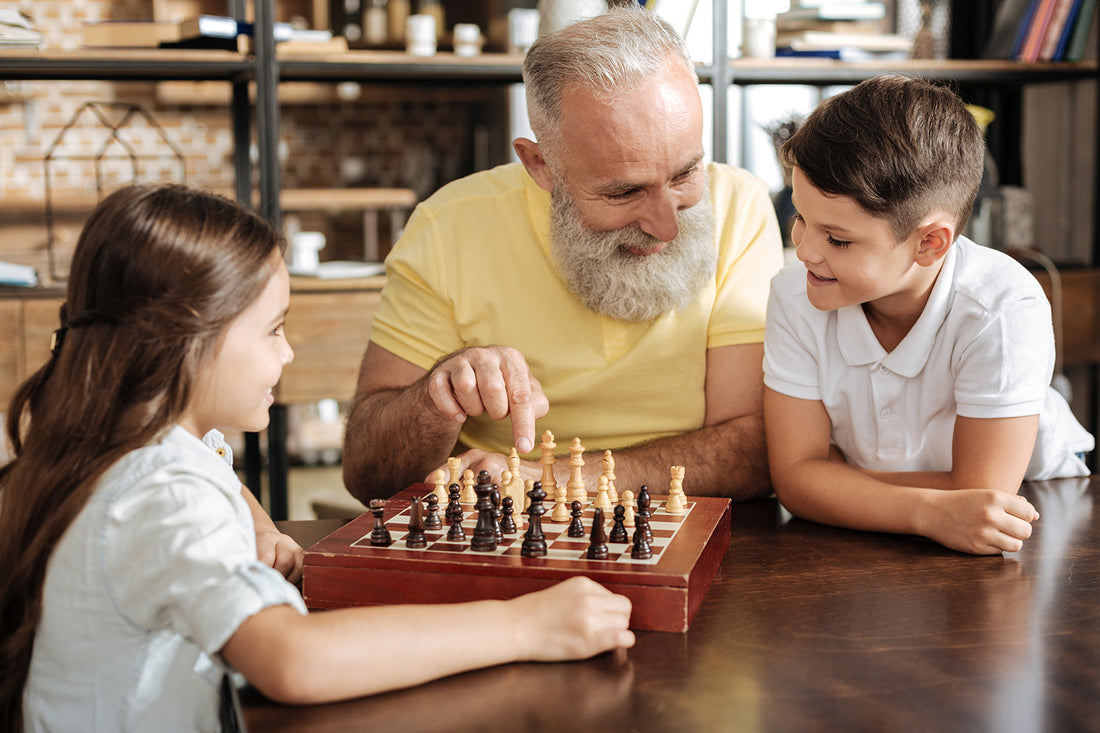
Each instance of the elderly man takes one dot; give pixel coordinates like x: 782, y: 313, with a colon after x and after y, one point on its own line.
x: 612, y: 287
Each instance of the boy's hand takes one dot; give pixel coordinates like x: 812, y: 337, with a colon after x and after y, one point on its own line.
x: 279, y: 551
x: 980, y: 521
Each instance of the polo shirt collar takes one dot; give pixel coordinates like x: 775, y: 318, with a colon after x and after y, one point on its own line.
x: 859, y: 346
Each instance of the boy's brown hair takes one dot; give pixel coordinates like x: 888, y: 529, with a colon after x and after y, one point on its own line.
x: 899, y: 146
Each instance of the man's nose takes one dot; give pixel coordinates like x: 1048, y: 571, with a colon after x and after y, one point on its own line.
x: 660, y: 219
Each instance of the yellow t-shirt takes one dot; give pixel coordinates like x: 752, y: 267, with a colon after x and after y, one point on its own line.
x: 473, y: 268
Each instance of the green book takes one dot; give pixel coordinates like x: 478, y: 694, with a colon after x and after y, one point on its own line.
x: 1076, y: 49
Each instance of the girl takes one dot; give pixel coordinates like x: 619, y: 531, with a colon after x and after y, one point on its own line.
x: 131, y: 554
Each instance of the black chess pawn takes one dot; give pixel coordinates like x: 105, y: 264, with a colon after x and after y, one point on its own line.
x: 379, y: 536
x: 484, y: 539
x: 507, y: 520
x: 454, y: 504
x: 432, y: 521
x: 597, y: 544
x: 576, y: 527
x: 641, y: 549
x: 534, y: 541
x: 618, y: 530
x: 454, y: 516
x: 416, y: 537
x: 494, y: 499
x: 644, y: 510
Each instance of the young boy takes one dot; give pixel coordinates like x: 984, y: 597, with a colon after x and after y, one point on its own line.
x: 907, y: 369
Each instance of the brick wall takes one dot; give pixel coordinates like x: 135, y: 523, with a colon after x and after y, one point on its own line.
x: 386, y: 136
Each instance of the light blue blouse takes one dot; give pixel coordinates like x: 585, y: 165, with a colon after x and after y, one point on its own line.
x: 146, y: 586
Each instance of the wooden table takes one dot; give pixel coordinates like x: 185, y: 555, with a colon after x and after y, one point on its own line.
x: 809, y: 628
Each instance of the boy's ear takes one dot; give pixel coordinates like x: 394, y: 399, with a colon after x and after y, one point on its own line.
x: 936, y: 238
x: 533, y: 160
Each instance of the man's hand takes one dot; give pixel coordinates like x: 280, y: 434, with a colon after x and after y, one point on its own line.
x: 494, y: 380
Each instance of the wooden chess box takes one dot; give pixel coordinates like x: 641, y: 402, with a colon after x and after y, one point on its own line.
x: 666, y: 590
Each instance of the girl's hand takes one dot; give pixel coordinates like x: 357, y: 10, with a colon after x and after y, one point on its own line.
x: 575, y: 619
x: 279, y: 551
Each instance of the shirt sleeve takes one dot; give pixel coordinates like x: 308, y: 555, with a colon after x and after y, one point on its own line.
x: 750, y: 253
x: 178, y: 557
x: 1005, y: 361
x: 416, y: 321
x: 790, y: 357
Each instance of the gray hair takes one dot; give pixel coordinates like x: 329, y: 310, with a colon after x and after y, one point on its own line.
x: 612, y: 51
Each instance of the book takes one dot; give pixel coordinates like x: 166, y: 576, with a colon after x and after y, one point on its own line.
x: 1067, y: 32
x: 1037, y: 29
x: 1075, y: 50
x: 837, y: 10
x: 1054, y: 30
x: 1011, y: 14
x: 128, y: 33
x: 22, y: 276
x: 817, y: 41
x: 784, y: 25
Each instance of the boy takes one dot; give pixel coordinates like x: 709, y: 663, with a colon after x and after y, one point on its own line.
x: 907, y: 369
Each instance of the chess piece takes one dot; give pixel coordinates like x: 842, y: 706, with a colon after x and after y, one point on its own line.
x: 507, y: 520
x: 454, y: 508
x: 618, y: 529
x: 416, y: 536
x: 484, y: 539
x: 379, y: 536
x: 561, y: 507
x: 515, y: 487
x: 454, y: 516
x: 576, y: 527
x: 494, y: 499
x: 597, y: 544
x: 603, y: 498
x: 432, y: 521
x: 439, y: 481
x: 641, y: 549
x: 469, y: 495
x: 628, y: 506
x: 576, y: 479
x: 549, y: 483
x: 677, y: 501
x: 609, y: 471
x: 454, y: 465
x: 644, y: 511
x: 534, y: 541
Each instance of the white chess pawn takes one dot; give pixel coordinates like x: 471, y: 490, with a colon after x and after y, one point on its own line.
x: 628, y: 505
x: 603, y: 499
x: 468, y: 495
x: 439, y: 480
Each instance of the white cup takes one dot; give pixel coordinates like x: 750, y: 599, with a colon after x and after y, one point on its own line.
x: 420, y: 34
x: 467, y: 37
x: 523, y: 29
x: 758, y: 38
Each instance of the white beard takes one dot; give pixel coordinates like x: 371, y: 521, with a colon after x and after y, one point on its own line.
x: 598, y: 268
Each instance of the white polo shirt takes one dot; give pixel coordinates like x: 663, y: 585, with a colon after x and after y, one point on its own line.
x: 983, y: 347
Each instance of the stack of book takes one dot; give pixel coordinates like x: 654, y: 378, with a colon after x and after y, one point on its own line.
x: 841, y: 29
x: 1041, y: 30
x: 203, y: 31
x: 16, y: 30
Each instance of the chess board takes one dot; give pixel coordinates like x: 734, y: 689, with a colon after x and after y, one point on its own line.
x: 344, y: 569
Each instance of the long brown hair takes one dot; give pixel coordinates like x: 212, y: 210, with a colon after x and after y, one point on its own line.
x: 158, y: 273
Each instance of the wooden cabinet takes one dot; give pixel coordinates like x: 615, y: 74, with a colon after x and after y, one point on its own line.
x: 26, y: 325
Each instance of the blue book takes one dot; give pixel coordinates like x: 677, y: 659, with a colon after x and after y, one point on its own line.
x: 1067, y: 32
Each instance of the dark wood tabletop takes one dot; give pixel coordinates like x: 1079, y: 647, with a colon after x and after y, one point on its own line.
x: 809, y: 628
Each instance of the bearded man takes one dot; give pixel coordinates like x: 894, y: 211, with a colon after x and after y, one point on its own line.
x: 611, y: 286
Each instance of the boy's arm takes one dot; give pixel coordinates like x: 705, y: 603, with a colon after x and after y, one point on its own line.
x: 811, y: 486
x: 987, y: 453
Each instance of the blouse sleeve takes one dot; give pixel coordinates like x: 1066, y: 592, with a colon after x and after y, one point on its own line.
x: 178, y: 556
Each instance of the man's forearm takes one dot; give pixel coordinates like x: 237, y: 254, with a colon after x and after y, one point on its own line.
x: 728, y: 459
x: 394, y: 438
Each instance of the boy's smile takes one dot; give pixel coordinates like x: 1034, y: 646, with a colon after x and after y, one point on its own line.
x: 851, y: 256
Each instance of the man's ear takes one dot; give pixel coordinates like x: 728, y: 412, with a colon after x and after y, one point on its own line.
x: 533, y: 160
x: 936, y: 238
